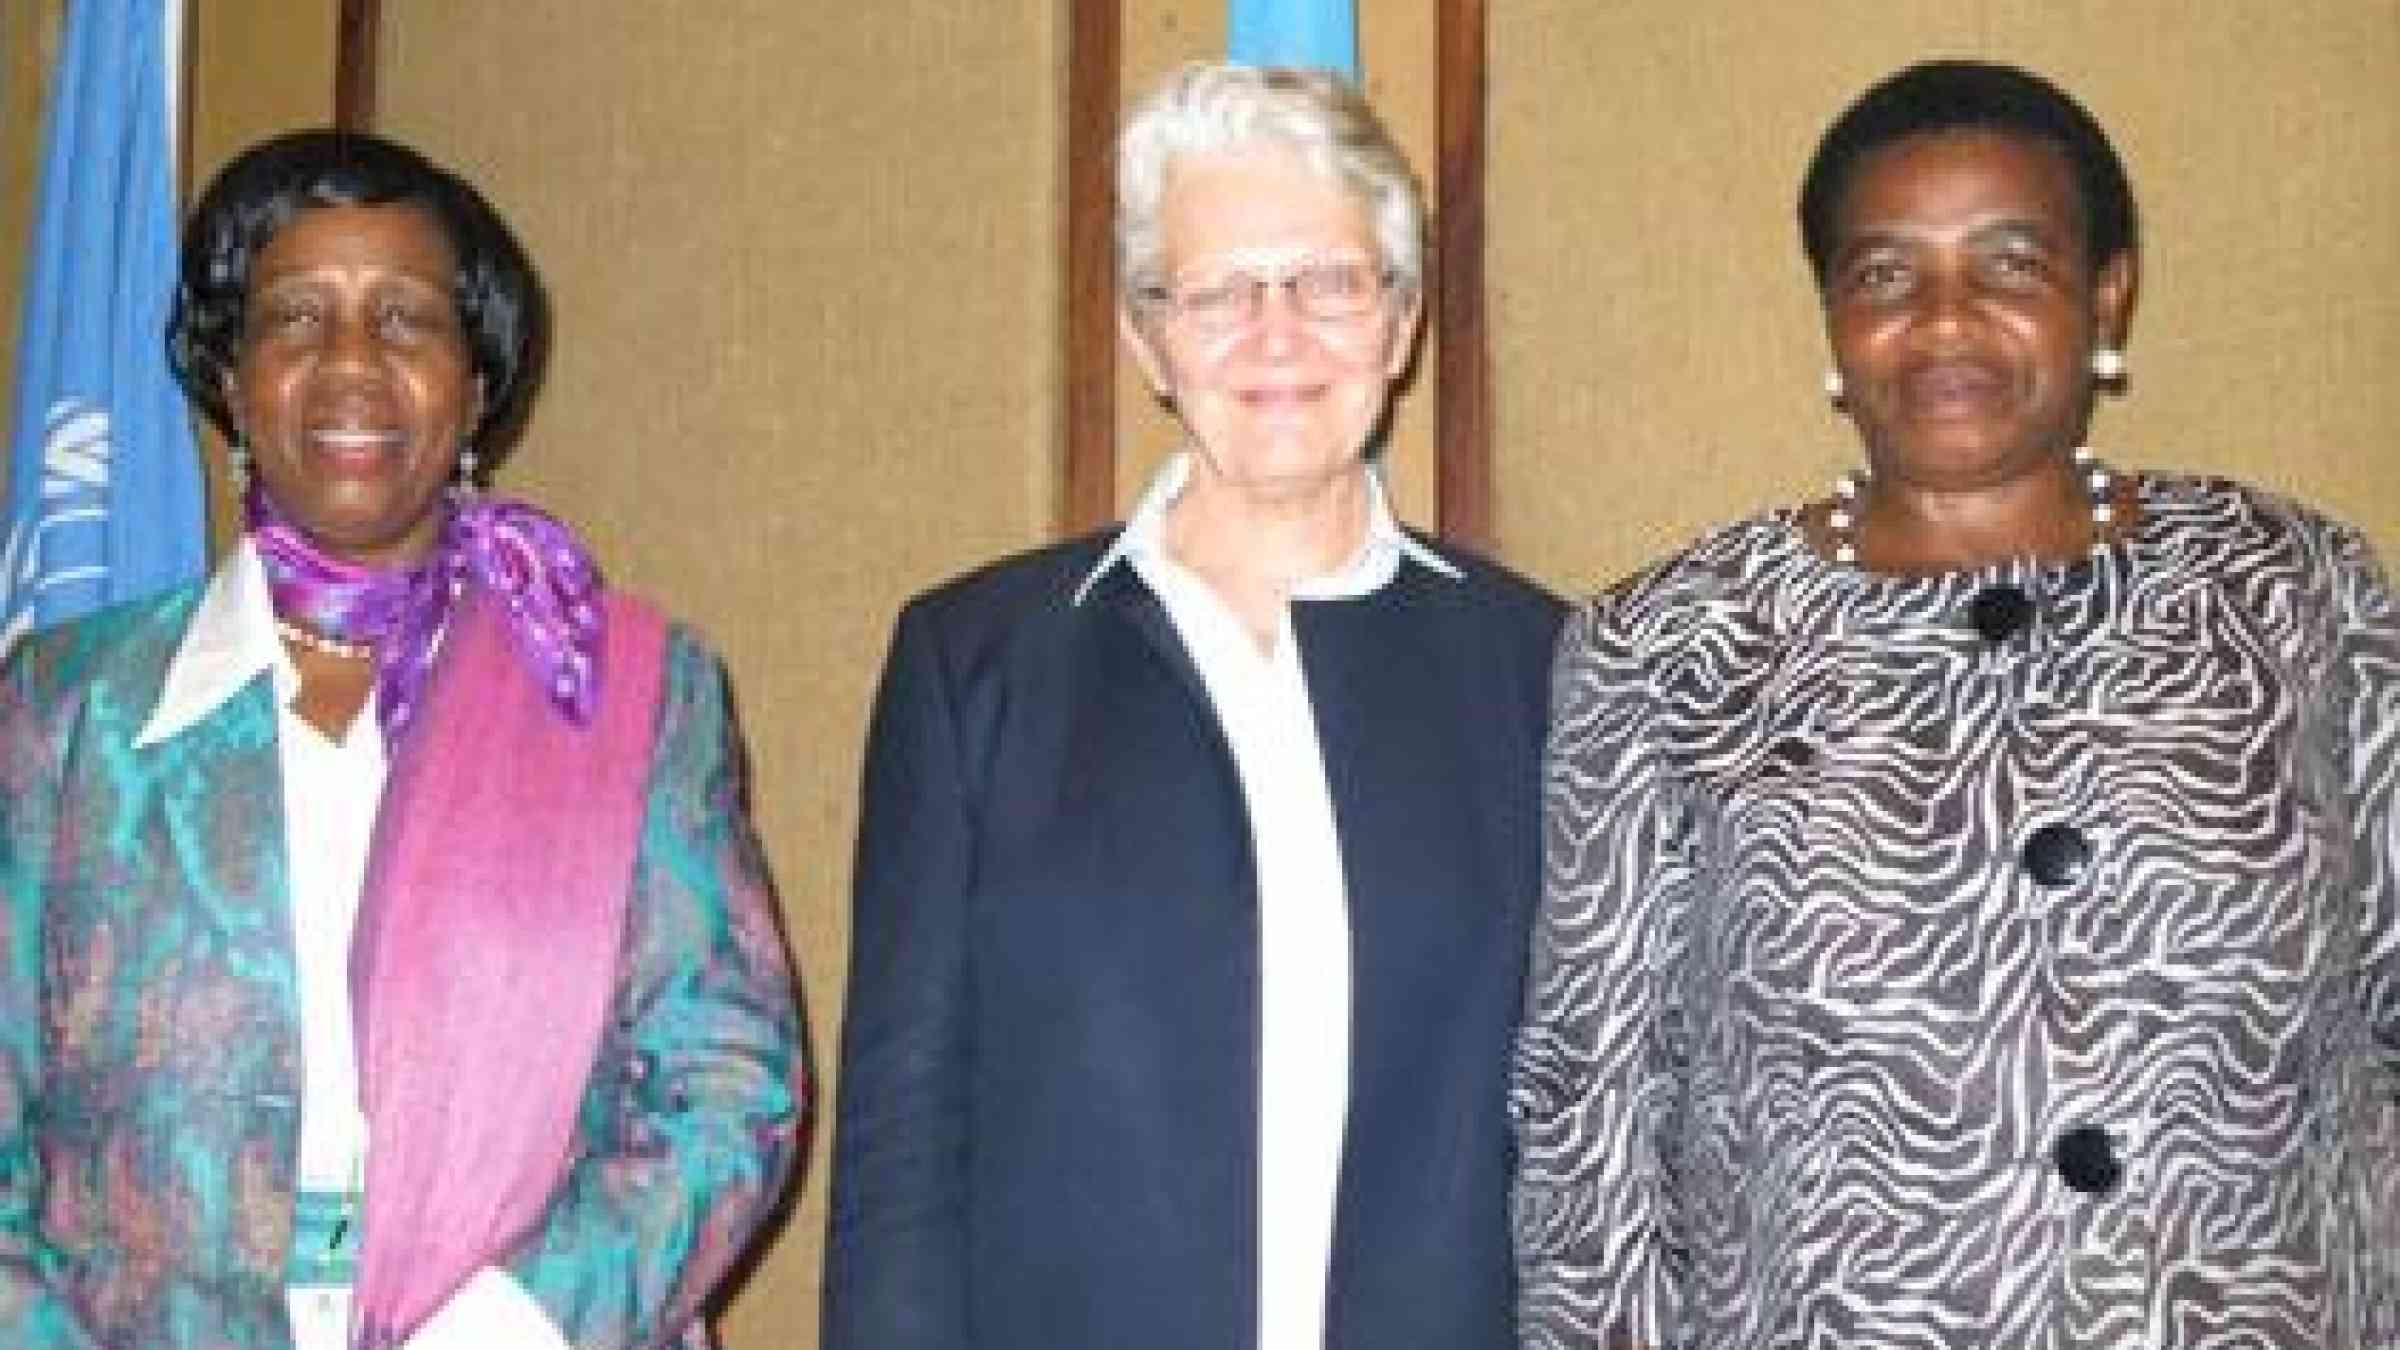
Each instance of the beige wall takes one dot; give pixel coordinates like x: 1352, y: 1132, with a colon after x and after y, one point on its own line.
x: 805, y: 358
x: 28, y: 46
x: 257, y: 67
x: 1657, y: 347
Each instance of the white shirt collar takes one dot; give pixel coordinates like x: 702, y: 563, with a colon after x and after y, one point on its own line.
x: 231, y: 639
x: 1376, y: 562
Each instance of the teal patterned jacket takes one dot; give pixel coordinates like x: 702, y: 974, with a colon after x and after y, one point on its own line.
x: 149, y: 1047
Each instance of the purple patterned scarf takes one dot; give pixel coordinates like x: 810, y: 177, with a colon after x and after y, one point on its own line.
x: 529, y: 563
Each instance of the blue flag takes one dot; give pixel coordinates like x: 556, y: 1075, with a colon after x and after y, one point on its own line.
x: 104, y: 495
x: 1320, y: 33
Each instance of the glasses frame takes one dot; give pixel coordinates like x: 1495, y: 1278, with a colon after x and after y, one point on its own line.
x: 1249, y: 284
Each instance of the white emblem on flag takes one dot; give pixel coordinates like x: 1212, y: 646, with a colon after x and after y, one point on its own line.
x: 75, y: 455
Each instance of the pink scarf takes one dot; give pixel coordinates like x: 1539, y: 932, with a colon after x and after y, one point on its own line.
x: 487, y: 950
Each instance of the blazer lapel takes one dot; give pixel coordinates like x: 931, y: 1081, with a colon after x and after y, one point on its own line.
x: 1382, y: 681
x: 1123, y: 594
x: 199, y: 879
x: 216, y: 791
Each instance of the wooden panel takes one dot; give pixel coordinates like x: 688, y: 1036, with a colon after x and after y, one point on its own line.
x: 1089, y: 409
x: 358, y: 36
x: 1462, y: 367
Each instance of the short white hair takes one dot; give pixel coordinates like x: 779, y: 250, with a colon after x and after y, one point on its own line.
x: 1211, y: 108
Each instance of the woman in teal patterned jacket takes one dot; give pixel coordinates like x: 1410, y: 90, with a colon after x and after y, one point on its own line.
x: 400, y: 830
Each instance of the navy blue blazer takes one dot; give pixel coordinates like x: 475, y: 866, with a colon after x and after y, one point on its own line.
x: 1048, y: 1102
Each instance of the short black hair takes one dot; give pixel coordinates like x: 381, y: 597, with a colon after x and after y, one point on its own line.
x: 1939, y: 96
x: 500, y: 303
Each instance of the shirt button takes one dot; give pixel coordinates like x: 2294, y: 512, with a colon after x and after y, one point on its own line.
x: 2000, y: 612
x: 2057, y: 855
x: 2086, y: 1160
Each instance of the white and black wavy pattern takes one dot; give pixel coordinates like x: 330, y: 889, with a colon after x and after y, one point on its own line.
x: 1804, y: 1031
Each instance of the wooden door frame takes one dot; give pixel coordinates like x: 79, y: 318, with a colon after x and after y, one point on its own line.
x: 1088, y: 330
x: 1462, y: 390
x: 357, y: 38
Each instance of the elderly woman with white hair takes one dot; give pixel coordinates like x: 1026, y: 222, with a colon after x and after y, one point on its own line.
x: 1197, y: 856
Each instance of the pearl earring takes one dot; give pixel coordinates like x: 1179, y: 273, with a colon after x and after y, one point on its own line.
x: 1834, y: 388
x: 2108, y: 364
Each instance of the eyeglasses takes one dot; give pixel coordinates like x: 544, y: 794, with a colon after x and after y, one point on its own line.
x: 1324, y: 290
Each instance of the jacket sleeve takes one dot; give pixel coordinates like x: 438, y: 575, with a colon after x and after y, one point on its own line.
x: 895, y: 1250
x: 1595, y: 1065
x: 693, y: 1116
x: 33, y: 1315
x: 2368, y: 674
x: 2364, y: 694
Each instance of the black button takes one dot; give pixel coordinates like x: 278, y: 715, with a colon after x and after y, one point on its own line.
x: 2086, y: 1160
x: 2057, y: 855
x: 2000, y: 612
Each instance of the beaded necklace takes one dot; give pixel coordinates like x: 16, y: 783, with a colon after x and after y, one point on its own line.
x: 1849, y: 490
x: 318, y: 642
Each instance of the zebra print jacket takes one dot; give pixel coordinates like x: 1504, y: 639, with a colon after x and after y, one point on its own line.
x: 1922, y: 965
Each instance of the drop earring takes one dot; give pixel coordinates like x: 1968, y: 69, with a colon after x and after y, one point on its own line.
x: 237, y: 466
x: 468, y: 463
x: 1834, y: 388
x: 2108, y: 364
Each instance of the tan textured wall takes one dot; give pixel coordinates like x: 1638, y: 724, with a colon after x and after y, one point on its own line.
x: 28, y: 47
x: 27, y: 51
x: 805, y: 364
x: 257, y: 67
x: 1396, y: 62
x: 1657, y: 346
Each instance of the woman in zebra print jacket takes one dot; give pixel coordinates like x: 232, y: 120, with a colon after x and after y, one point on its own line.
x: 1971, y: 912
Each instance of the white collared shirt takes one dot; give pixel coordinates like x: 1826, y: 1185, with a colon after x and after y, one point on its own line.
x: 1261, y: 702
x: 331, y: 790
x: 1377, y: 561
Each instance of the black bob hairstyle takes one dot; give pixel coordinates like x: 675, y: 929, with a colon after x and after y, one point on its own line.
x: 500, y: 303
x: 1939, y: 96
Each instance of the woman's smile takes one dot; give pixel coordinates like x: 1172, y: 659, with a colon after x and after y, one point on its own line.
x: 355, y: 389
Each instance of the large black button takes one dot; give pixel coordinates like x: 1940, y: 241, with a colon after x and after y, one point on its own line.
x: 2057, y: 855
x: 2086, y: 1160
x: 2000, y: 612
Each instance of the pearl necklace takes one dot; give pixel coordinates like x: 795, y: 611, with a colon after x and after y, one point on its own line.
x: 2099, y: 484
x: 318, y: 642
